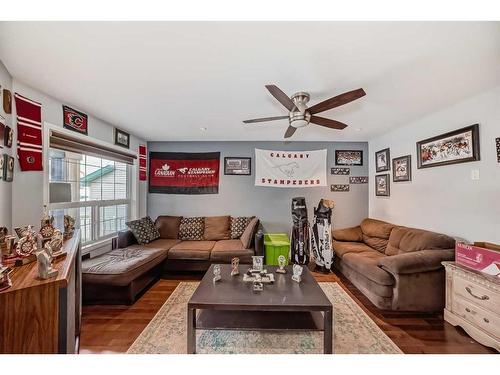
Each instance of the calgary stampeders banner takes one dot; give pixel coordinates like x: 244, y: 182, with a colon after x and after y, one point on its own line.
x: 29, y: 133
x: 184, y: 172
x: 290, y: 169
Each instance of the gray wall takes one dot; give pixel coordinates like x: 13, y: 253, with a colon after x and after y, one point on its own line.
x: 5, y: 187
x: 445, y: 198
x: 238, y: 196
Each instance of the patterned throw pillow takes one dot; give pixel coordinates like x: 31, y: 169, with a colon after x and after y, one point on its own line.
x: 144, y: 230
x: 238, y: 226
x: 192, y: 228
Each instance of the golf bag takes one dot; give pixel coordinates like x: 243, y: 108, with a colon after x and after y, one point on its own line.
x: 299, y: 249
x: 321, y: 241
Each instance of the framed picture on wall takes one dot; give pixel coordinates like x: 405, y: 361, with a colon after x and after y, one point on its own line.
x: 75, y: 120
x: 383, y: 160
x: 382, y: 185
x: 339, y: 188
x: 349, y: 157
x: 458, y: 146
x: 122, y: 138
x: 401, y: 169
x: 237, y: 166
x: 498, y: 149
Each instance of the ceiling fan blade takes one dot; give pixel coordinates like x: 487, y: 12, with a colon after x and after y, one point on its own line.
x: 265, y: 119
x: 289, y: 132
x: 326, y: 122
x: 281, y: 96
x: 337, y: 101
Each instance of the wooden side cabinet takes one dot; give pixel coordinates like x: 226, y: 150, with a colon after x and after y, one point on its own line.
x: 473, y: 303
x: 43, y: 316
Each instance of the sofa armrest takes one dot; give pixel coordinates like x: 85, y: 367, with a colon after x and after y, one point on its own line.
x: 353, y: 234
x: 417, y: 261
x: 125, y: 239
x: 259, y: 242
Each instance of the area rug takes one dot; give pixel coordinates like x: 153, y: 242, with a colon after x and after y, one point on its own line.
x: 354, y: 332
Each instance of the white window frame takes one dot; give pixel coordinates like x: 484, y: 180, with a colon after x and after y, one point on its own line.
x: 132, y: 187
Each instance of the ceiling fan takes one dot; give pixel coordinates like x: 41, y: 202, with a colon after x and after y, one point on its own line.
x: 300, y: 115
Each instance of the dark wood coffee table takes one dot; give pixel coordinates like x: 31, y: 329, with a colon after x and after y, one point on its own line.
x: 231, y: 304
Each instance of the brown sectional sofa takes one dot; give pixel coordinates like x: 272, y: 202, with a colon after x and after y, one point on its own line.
x: 397, y: 268
x: 121, y: 274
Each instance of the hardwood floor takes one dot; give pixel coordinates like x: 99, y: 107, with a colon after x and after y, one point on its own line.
x: 112, y: 329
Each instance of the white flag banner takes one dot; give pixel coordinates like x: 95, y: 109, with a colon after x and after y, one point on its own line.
x: 290, y: 169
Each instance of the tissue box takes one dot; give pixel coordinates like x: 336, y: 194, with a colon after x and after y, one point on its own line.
x: 482, y: 256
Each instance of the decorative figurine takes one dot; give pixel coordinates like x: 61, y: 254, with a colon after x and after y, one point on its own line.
x: 55, y: 244
x: 5, y: 281
x: 258, y: 285
x: 235, y: 262
x: 46, y: 226
x: 257, y: 263
x: 282, y: 264
x: 217, y: 276
x: 297, y: 273
x: 69, y: 226
x: 44, y: 259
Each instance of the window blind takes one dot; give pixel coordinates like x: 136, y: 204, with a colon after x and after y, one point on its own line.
x: 66, y: 142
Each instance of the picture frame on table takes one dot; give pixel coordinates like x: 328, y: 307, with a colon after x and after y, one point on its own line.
x: 349, y: 157
x: 383, y: 160
x: 401, y: 169
x: 382, y: 185
x: 457, y: 146
x: 237, y: 166
x: 122, y: 138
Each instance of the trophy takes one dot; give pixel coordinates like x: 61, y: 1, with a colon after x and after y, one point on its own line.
x: 69, y: 226
x: 217, y: 276
x: 55, y: 244
x: 46, y: 226
x: 44, y: 260
x: 297, y: 273
x: 258, y: 263
x: 28, y: 241
x: 235, y: 262
x: 282, y: 264
x: 5, y: 281
x: 258, y: 286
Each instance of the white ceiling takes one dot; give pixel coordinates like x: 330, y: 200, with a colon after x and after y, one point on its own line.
x: 166, y: 80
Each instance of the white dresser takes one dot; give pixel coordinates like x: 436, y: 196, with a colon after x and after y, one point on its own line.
x: 473, y: 303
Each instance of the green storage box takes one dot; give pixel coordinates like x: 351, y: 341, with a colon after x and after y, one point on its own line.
x: 276, y: 244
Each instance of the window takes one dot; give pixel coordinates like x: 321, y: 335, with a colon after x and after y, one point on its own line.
x: 99, y: 198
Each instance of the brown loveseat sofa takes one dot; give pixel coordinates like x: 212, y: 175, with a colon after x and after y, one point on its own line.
x: 121, y: 274
x: 397, y: 268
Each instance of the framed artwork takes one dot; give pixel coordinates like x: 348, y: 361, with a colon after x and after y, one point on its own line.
x: 340, y: 171
x: 2, y: 134
x: 122, y: 138
x: 358, y: 180
x: 498, y: 149
x: 8, y: 168
x: 401, y: 168
x: 75, y: 120
x: 458, y: 146
x: 349, y: 157
x: 339, y: 187
x: 8, y: 136
x: 237, y: 166
x: 383, y: 160
x: 382, y: 185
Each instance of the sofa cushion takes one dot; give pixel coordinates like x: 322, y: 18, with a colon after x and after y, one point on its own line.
x: 366, y: 263
x: 225, y: 250
x: 191, y: 228
x: 341, y: 248
x: 246, y: 237
x: 238, y: 226
x: 217, y: 228
x: 121, y: 266
x: 196, y: 250
x: 143, y: 230
x: 161, y: 243
x: 348, y: 234
x: 168, y: 226
x: 406, y: 240
x: 376, y: 233
x: 376, y: 243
